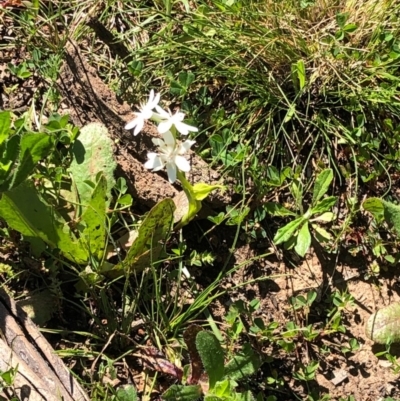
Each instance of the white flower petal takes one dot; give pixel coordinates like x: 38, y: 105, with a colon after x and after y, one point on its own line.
x: 157, y: 141
x: 163, y: 114
x: 185, y: 146
x: 169, y: 140
x: 139, y: 126
x: 171, y: 171
x: 185, y: 128
x: 155, y: 162
x: 146, y: 114
x: 131, y: 124
x: 182, y: 163
x: 179, y: 116
x: 164, y: 126
x: 155, y: 101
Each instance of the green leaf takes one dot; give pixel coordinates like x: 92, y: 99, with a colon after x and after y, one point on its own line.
x: 182, y: 393
x: 201, y: 190
x: 223, y: 389
x: 392, y: 215
x: 303, y: 240
x: 324, y: 206
x: 349, y: 28
x: 326, y: 217
x: 5, y: 124
x: 93, y: 237
x: 25, y: 211
x: 299, y: 74
x: 245, y: 396
x: 186, y: 79
x: 8, y: 158
x: 212, y: 356
x: 212, y: 397
x: 321, y: 185
x: 242, y: 365
x: 34, y: 147
x: 375, y: 207
x: 321, y: 234
x: 341, y: 19
x: 277, y: 209
x: 127, y: 393
x: 135, y: 67
x: 287, y: 231
x: 92, y: 154
x: 147, y: 246
x: 384, y: 325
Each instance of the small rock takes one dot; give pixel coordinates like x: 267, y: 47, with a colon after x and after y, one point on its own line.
x: 340, y: 376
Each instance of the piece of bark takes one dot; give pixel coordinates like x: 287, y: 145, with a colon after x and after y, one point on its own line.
x: 41, y: 375
x: 87, y: 99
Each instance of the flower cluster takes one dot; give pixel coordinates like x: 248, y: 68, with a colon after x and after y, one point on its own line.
x: 170, y: 152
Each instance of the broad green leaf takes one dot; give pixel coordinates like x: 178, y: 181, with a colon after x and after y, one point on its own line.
x: 324, y: 205
x: 212, y: 356
x: 223, y: 389
x: 92, y: 154
x: 277, y: 209
x: 392, y: 215
x: 326, y: 217
x: 321, y: 185
x: 375, y: 207
x: 303, y: 240
x: 127, y: 393
x: 242, y: 365
x: 5, y: 124
x: 384, y: 325
x: 321, y: 234
x: 26, y: 212
x: 93, y: 222
x: 287, y: 231
x: 34, y: 147
x: 147, y: 247
x: 202, y: 190
x: 182, y: 393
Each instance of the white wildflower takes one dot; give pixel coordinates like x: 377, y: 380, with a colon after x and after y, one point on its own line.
x: 170, y: 155
x: 145, y: 113
x: 169, y: 119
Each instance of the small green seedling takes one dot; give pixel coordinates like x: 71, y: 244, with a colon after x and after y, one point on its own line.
x: 220, y: 380
x: 297, y: 232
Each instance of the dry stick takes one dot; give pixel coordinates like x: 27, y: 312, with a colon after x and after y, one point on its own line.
x: 26, y: 342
